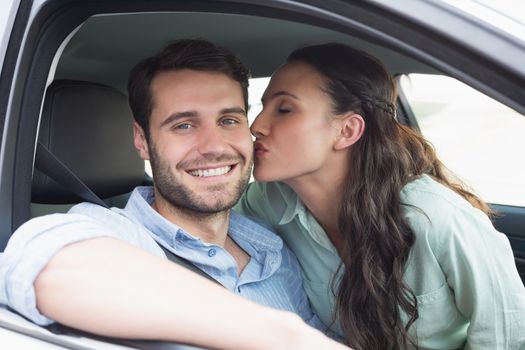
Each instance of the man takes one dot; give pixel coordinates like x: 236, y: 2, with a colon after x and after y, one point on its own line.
x: 103, y: 270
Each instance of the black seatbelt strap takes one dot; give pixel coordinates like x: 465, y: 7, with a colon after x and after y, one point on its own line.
x: 183, y: 262
x: 49, y: 164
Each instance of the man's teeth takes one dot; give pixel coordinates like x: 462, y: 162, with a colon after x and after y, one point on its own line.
x: 211, y: 172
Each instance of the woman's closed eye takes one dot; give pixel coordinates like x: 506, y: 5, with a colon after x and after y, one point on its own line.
x: 284, y: 109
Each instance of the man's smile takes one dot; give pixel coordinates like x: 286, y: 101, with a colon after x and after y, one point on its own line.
x: 209, y: 172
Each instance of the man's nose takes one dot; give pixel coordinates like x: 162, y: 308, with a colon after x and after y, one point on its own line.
x: 212, y: 140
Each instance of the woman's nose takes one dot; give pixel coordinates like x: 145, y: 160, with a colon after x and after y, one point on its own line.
x: 260, y: 126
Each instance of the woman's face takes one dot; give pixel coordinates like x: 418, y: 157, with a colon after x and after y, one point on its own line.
x: 295, y: 130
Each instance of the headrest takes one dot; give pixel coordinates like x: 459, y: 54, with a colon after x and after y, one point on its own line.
x: 89, y: 128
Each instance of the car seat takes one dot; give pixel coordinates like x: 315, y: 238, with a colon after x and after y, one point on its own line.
x: 88, y: 127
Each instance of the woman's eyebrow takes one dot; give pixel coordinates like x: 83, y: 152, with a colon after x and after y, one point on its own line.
x: 280, y: 93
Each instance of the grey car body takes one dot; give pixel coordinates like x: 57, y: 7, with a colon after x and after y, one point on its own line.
x: 99, y: 41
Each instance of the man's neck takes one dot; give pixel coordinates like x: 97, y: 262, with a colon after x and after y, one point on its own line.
x: 211, y: 228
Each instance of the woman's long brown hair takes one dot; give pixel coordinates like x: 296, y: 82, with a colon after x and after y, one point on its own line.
x: 372, y: 293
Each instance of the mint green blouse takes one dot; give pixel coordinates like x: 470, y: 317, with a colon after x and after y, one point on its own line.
x: 460, y: 268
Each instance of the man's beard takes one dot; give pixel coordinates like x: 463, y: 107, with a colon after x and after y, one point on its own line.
x: 218, y: 198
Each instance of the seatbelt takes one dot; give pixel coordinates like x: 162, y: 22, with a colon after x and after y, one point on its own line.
x: 187, y: 264
x: 49, y: 164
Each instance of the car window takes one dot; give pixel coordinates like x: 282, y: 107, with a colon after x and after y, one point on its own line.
x: 478, y: 138
x: 255, y: 92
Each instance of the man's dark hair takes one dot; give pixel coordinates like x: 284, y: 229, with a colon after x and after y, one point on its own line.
x: 182, y: 54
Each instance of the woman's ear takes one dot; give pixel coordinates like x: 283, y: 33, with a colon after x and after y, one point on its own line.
x: 140, y: 142
x: 351, y: 128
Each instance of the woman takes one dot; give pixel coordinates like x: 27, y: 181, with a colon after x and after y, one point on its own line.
x: 395, y: 252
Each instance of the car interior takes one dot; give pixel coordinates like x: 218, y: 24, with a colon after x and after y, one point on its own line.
x: 102, y: 154
x: 89, y: 85
x: 83, y: 119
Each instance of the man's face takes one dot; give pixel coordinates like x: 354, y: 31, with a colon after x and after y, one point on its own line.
x: 200, y: 145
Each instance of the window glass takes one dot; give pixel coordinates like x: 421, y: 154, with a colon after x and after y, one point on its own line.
x: 255, y: 92
x: 478, y: 138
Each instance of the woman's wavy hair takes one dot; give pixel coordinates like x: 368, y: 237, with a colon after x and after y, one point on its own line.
x: 372, y: 294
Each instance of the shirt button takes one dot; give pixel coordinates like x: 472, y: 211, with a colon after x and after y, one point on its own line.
x: 212, y: 252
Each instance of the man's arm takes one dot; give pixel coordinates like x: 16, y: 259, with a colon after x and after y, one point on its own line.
x: 111, y: 288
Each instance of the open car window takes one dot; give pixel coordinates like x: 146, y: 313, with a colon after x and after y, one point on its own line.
x: 478, y: 138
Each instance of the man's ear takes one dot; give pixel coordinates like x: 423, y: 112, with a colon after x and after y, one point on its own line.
x: 140, y: 142
x: 351, y: 128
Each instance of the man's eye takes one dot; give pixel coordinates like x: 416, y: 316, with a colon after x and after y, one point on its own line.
x: 229, y: 121
x: 284, y: 110
x: 183, y: 126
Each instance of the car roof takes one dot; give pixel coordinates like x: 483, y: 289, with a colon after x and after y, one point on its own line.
x: 106, y: 47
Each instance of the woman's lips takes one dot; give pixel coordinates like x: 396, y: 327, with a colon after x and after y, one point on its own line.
x: 259, y: 149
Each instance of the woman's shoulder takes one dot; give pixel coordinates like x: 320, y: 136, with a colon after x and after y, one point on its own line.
x: 437, y: 213
x: 425, y: 194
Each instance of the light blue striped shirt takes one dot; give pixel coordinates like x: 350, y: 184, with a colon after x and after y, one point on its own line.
x: 272, y: 276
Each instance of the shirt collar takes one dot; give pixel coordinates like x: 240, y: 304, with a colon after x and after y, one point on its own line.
x: 294, y: 207
x: 243, y: 229
x: 260, y: 243
x: 257, y: 240
x: 139, y: 209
